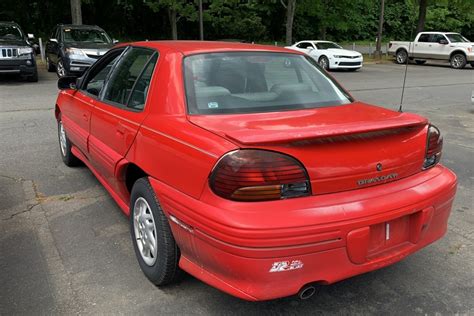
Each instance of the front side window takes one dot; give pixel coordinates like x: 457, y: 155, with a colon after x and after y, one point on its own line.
x: 244, y: 82
x: 124, y: 75
x: 327, y: 45
x: 10, y: 32
x: 75, y: 35
x: 95, y: 80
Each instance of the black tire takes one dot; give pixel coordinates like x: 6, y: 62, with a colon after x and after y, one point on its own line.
x: 67, y: 156
x: 60, y: 69
x: 165, y: 269
x: 323, y: 61
x: 401, y: 56
x: 420, y: 62
x: 458, y: 61
x: 33, y: 77
x: 49, y: 66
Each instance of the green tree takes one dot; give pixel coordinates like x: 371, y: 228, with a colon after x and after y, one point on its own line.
x: 176, y: 10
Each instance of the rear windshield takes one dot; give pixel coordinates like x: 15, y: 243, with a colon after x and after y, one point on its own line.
x: 249, y: 82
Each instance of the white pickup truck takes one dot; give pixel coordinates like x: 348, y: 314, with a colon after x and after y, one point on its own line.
x: 452, y: 47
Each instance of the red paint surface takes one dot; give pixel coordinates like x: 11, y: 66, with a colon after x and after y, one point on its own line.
x: 337, y: 232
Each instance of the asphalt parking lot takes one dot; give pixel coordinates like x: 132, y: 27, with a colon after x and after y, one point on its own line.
x: 65, y: 245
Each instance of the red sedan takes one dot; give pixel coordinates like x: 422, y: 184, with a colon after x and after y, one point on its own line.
x: 251, y: 168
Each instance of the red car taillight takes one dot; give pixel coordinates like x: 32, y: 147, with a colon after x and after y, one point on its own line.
x: 434, y: 145
x: 259, y: 175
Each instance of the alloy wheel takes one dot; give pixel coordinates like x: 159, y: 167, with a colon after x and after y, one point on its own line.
x: 401, y: 57
x: 62, y: 139
x: 60, y: 69
x: 145, y: 231
x: 324, y: 63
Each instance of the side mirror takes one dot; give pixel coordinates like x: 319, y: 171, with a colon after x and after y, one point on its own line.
x: 67, y: 82
x: 443, y: 41
x: 31, y: 36
x: 115, y: 41
x: 53, y: 40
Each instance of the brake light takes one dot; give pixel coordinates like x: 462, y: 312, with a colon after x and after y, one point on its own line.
x: 434, y: 146
x: 259, y: 175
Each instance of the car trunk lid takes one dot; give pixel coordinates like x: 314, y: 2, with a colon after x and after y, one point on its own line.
x: 343, y: 148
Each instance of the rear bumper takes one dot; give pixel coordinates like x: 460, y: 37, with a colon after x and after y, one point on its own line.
x: 267, y: 250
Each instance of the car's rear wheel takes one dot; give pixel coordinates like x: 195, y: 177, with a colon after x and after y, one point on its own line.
x: 401, y: 56
x: 49, y: 65
x: 155, y: 248
x: 458, y: 61
x: 420, y: 62
x: 60, y: 69
x: 65, y: 147
x: 324, y: 62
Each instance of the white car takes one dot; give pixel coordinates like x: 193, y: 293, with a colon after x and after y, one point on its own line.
x: 330, y: 55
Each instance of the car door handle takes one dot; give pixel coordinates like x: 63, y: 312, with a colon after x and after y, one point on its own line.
x: 85, y: 117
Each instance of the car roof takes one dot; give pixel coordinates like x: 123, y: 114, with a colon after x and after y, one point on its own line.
x: 197, y: 47
x: 434, y: 32
x: 9, y: 23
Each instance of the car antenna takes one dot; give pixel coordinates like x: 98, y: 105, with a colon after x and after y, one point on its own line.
x: 400, y: 108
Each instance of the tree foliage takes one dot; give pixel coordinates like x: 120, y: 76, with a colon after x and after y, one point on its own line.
x: 249, y: 20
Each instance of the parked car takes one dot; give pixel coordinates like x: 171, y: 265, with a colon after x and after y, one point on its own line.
x: 330, y: 55
x: 72, y: 49
x: 452, y: 47
x: 251, y: 168
x: 17, y: 54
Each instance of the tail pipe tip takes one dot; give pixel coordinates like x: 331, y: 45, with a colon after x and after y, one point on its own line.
x: 306, y: 292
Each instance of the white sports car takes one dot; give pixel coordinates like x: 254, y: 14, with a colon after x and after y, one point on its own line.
x: 330, y: 55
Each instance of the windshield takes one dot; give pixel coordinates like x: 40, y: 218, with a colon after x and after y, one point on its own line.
x: 244, y: 82
x: 326, y: 45
x: 10, y: 32
x: 86, y: 35
x: 457, y: 38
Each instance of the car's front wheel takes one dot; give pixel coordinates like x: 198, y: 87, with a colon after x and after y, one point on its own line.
x: 155, y: 247
x: 324, y: 62
x: 61, y: 69
x: 458, y: 61
x: 65, y: 146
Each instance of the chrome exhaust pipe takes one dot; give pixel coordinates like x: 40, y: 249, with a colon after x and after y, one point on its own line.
x: 306, y: 292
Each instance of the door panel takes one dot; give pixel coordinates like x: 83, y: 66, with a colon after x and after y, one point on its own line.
x: 76, y: 110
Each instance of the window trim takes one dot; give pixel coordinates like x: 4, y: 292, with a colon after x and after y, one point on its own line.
x: 125, y: 106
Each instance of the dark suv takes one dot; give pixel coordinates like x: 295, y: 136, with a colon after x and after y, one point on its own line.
x: 17, y: 55
x: 72, y: 49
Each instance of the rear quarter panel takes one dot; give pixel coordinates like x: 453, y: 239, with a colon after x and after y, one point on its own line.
x: 168, y: 147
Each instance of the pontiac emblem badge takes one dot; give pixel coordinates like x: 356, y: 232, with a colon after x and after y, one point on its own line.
x: 379, y: 167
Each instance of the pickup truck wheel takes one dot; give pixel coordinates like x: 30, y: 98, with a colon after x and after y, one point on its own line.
x: 154, y: 245
x: 420, y: 62
x: 458, y: 61
x: 65, y: 147
x: 49, y: 65
x: 401, y: 56
x: 324, y: 62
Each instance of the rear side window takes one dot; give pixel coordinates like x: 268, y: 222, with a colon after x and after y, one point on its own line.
x: 122, y: 80
x: 245, y: 82
x: 424, y: 38
x: 140, y: 90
